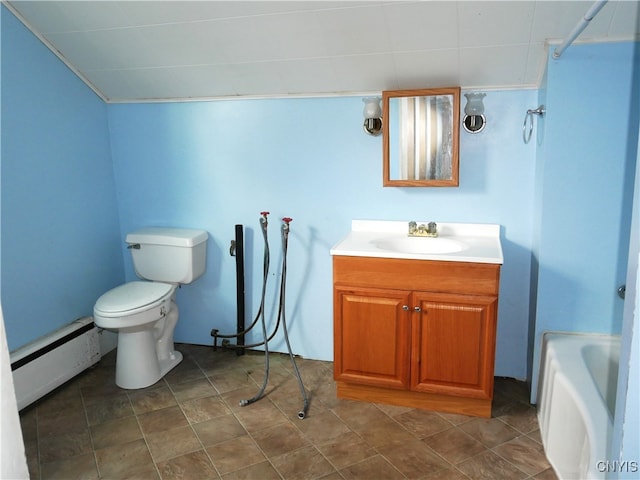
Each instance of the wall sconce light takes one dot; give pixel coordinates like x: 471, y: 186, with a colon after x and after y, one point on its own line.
x: 474, y: 120
x: 372, y: 116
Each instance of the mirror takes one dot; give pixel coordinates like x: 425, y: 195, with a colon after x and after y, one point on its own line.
x: 420, y: 137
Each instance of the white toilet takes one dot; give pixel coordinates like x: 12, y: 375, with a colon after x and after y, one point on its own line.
x: 145, y: 313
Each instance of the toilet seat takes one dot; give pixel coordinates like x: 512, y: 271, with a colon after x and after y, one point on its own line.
x: 133, y: 304
x: 132, y: 297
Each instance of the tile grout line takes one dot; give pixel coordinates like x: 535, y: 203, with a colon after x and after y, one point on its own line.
x: 265, y: 398
x: 290, y: 374
x: 313, y: 444
x: 144, y: 437
x: 510, y: 462
x: 319, y: 376
x: 248, y: 373
x: 204, y: 449
x: 337, y: 470
x: 451, y: 425
x: 93, y: 448
x: 39, y: 455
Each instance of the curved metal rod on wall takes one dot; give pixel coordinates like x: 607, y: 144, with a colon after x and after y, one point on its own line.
x: 528, y: 118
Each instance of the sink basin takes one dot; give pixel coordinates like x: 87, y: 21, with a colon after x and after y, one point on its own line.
x: 456, y: 242
x: 424, y: 245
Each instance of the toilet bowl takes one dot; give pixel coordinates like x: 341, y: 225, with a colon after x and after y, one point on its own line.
x: 145, y: 313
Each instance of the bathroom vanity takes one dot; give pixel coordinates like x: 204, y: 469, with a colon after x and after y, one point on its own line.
x: 415, y: 317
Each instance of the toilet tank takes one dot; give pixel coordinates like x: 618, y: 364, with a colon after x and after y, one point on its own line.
x: 171, y: 255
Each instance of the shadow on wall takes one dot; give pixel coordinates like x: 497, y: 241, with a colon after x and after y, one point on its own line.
x: 302, y: 285
x: 218, y: 296
x: 533, y: 302
x: 566, y: 305
x: 512, y: 314
x: 215, y: 257
x: 631, y: 159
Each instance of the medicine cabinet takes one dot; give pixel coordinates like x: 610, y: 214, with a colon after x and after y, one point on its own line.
x: 420, y: 137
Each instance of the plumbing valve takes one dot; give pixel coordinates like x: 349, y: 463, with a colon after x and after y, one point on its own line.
x: 263, y: 220
x: 286, y: 221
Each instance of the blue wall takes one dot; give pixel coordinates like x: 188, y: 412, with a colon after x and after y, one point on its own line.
x: 626, y: 431
x: 78, y: 175
x: 585, y: 192
x: 626, y: 428
x: 214, y: 164
x: 59, y: 219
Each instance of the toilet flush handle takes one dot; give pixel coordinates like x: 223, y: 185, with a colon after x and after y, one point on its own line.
x: 135, y: 246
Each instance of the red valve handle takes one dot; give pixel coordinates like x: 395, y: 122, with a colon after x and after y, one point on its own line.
x: 264, y: 214
x: 287, y: 220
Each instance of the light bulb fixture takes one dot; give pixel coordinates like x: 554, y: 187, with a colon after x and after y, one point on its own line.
x: 474, y: 120
x: 372, y: 116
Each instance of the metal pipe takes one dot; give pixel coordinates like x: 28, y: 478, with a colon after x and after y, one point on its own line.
x: 582, y: 24
x: 265, y: 272
x: 240, y: 287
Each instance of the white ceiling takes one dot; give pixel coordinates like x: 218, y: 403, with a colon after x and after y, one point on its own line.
x: 162, y: 50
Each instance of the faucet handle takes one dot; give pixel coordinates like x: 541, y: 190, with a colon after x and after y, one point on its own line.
x: 432, y: 227
x: 413, y: 226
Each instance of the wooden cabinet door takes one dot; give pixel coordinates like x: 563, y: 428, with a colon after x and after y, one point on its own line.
x: 453, y: 344
x: 372, y: 336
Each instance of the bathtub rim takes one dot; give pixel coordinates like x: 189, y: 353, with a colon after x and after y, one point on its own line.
x: 601, y: 417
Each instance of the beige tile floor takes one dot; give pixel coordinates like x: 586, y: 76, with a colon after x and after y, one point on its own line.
x: 189, y: 425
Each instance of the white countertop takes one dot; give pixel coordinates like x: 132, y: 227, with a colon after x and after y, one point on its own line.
x: 478, y: 243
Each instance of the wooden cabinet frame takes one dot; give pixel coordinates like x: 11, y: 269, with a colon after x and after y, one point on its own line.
x: 416, y: 333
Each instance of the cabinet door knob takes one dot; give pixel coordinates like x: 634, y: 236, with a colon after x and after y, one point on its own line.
x: 405, y: 307
x: 417, y: 309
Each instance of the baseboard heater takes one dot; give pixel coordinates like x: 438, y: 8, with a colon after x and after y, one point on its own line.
x: 43, y: 365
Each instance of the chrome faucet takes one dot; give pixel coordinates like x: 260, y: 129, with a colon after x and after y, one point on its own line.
x: 422, y: 230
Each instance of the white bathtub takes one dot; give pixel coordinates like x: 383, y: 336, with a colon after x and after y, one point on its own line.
x: 576, y: 402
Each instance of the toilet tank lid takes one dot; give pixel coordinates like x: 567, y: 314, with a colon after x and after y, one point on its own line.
x: 180, y: 237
